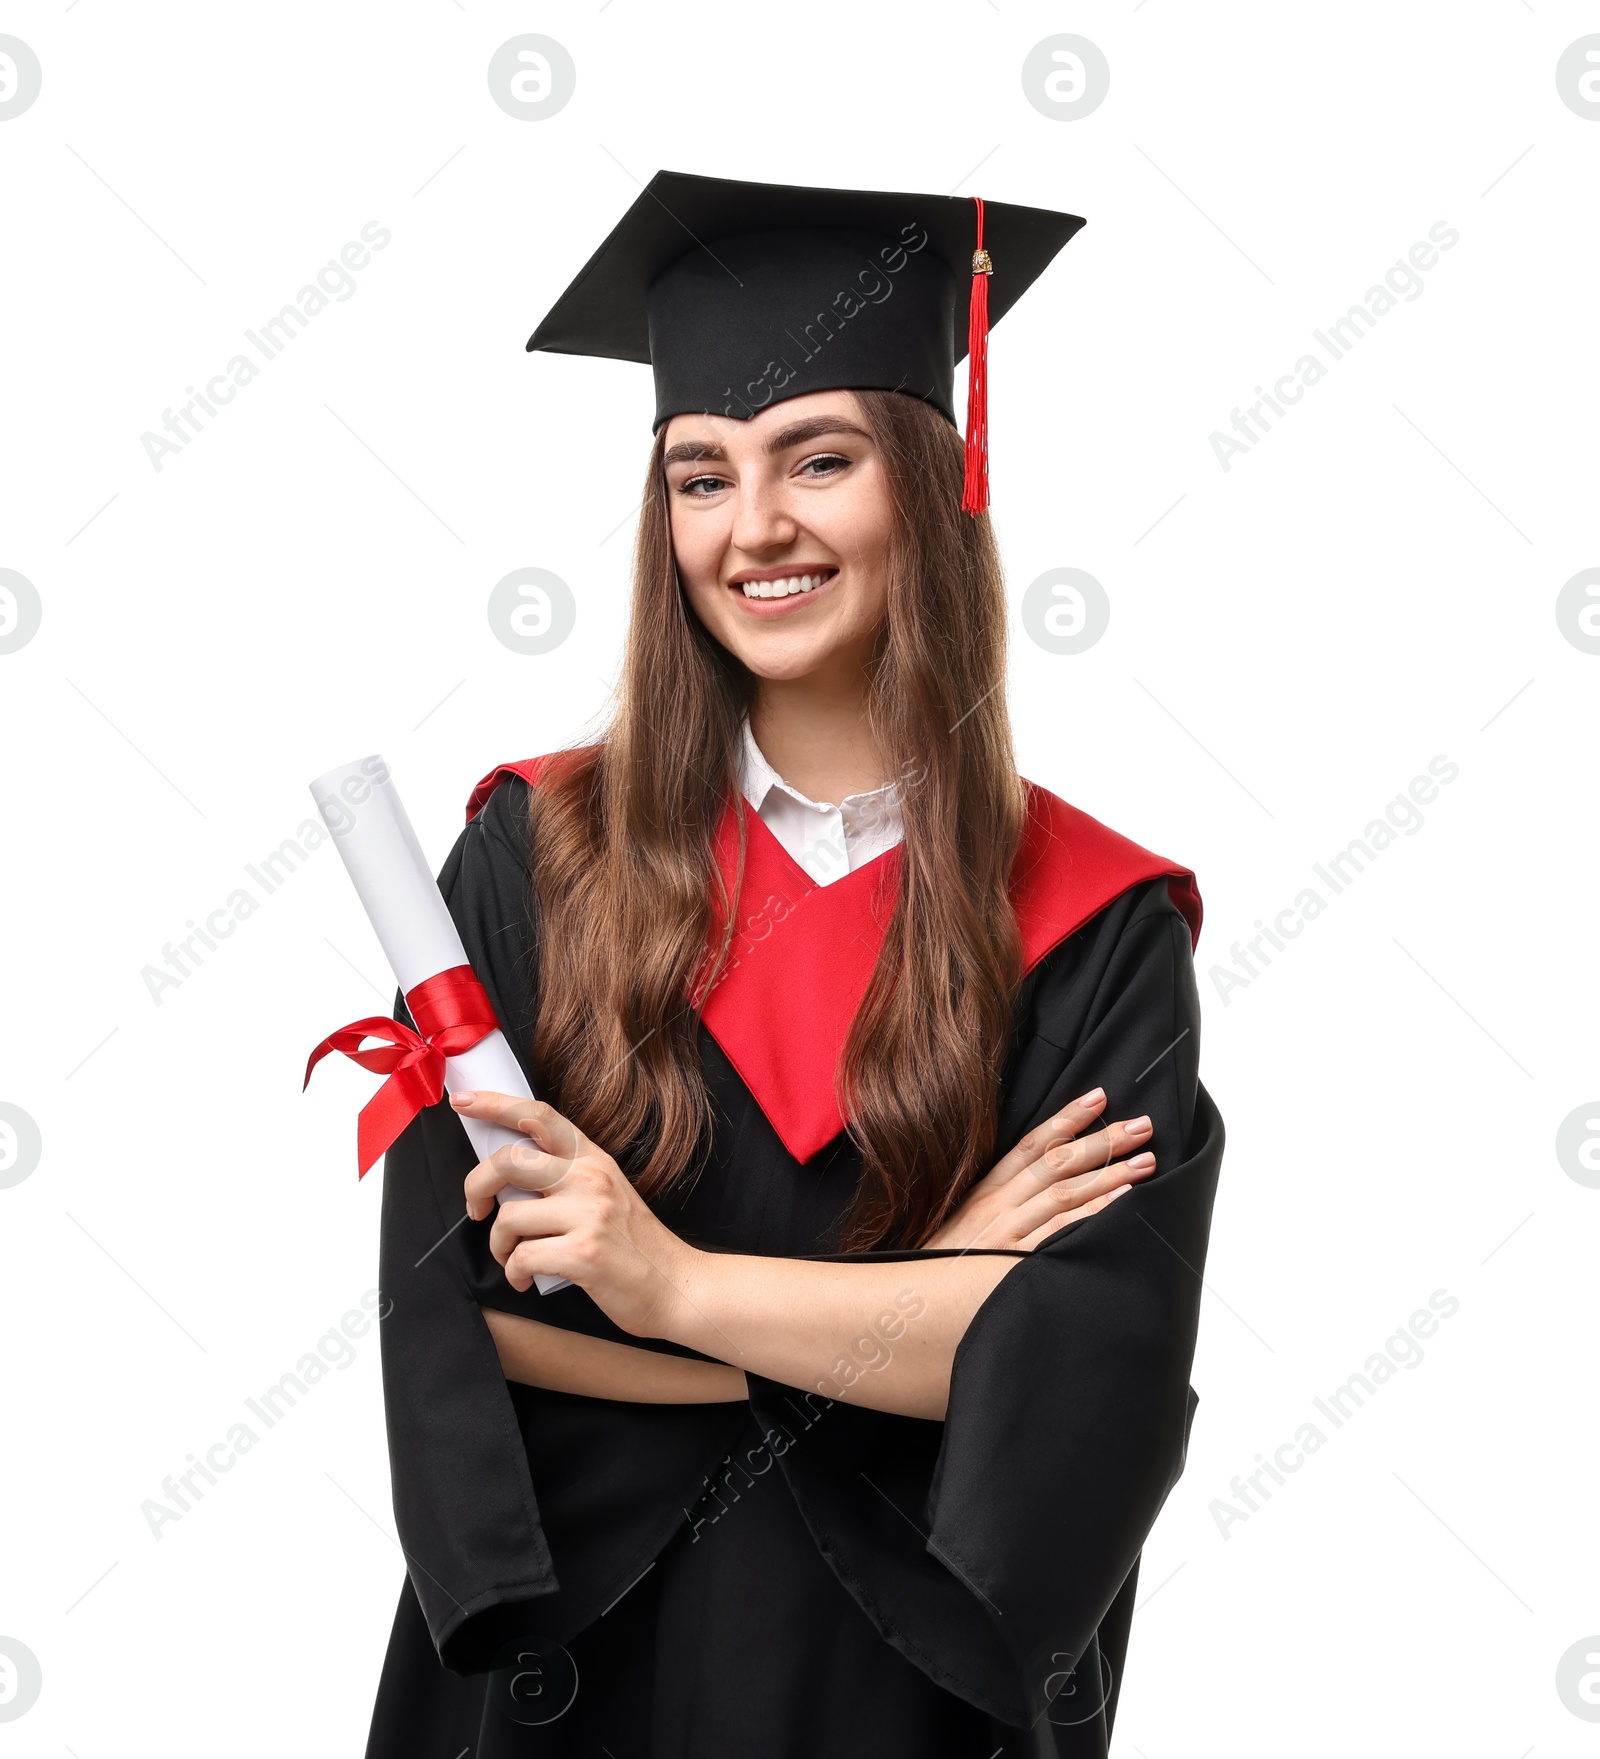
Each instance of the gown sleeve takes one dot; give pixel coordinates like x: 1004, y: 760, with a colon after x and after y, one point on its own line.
x: 992, y: 1548
x: 520, y: 1512
x: 464, y: 1500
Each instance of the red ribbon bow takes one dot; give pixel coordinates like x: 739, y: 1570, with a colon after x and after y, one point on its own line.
x: 452, y: 1012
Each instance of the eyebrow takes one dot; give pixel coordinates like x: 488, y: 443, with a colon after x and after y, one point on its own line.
x: 796, y: 434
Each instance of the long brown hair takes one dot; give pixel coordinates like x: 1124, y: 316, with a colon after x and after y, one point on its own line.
x: 627, y: 885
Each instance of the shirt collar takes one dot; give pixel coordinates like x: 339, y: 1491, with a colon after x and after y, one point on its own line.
x: 757, y: 777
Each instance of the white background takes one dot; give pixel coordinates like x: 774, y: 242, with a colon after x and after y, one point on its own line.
x: 1369, y: 587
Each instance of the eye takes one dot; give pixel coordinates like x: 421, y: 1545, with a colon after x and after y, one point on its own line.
x: 824, y: 464
x: 702, y: 485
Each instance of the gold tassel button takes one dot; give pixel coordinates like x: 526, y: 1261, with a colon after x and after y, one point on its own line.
x: 981, y: 264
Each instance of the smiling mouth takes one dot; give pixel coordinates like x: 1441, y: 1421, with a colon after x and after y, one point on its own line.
x: 783, y: 586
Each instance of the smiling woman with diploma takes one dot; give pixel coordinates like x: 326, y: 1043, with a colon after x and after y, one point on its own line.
x: 870, y: 1137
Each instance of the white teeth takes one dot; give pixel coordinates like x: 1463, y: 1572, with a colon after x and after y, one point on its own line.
x: 781, y: 589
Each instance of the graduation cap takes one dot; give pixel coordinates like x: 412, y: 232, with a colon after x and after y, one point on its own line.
x: 740, y: 295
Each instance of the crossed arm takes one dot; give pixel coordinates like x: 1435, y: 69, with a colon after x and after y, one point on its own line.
x: 881, y: 1334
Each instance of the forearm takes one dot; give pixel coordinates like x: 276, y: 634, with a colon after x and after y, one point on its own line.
x: 569, y: 1362
x: 882, y: 1335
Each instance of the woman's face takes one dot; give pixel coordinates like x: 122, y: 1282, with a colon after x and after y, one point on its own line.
x: 781, y: 528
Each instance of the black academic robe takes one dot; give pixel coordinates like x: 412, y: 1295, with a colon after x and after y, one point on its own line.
x: 797, y: 1575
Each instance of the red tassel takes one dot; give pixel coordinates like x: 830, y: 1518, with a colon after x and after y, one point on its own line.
x: 975, y: 484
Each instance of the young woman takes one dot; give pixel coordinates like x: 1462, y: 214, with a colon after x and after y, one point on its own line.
x: 872, y: 1371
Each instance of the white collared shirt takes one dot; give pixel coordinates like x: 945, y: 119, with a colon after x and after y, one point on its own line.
x: 827, y: 841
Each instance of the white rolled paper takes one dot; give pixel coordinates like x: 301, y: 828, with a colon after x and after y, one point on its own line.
x: 362, y: 809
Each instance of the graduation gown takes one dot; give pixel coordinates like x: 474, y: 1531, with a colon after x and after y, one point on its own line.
x: 797, y: 1575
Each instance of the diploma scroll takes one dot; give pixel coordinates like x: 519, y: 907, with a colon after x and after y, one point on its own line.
x: 362, y: 809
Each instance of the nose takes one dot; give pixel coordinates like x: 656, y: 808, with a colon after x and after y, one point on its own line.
x: 761, y: 520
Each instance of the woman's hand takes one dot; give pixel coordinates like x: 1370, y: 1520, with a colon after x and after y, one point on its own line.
x: 1053, y: 1176
x: 590, y: 1225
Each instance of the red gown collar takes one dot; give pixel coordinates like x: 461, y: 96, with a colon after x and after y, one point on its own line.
x: 803, y: 953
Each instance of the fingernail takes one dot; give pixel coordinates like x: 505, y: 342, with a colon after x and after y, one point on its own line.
x: 462, y: 1098
x: 1118, y: 1192
x: 1139, y: 1127
x: 1097, y: 1097
x: 1141, y: 1163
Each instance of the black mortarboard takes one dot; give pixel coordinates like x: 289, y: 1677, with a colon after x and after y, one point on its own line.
x: 745, y: 294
